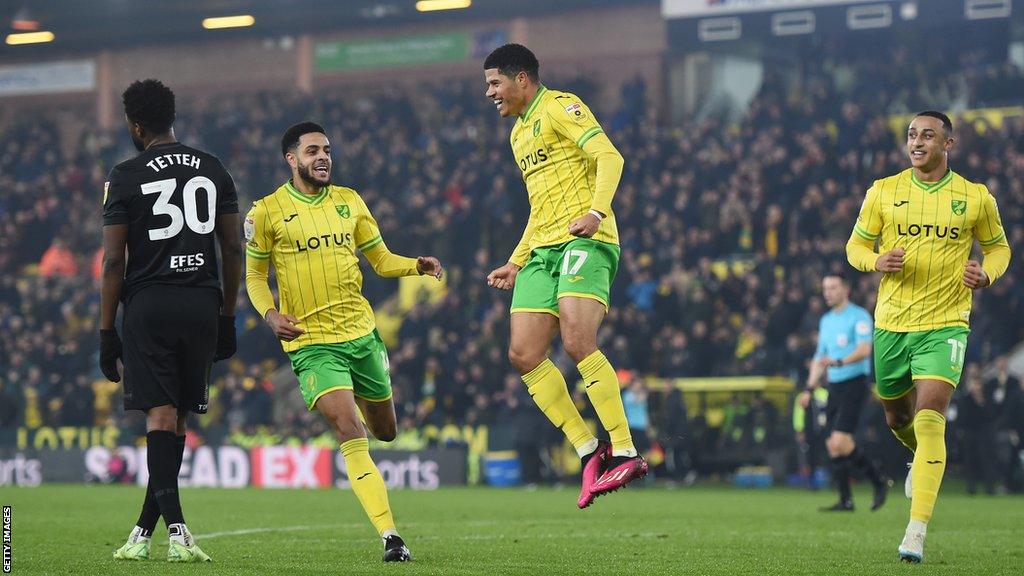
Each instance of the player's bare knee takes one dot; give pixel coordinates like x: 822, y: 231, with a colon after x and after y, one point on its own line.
x: 830, y: 447
x: 578, y: 346
x: 897, y: 420
x: 524, y: 361
x: 842, y: 445
x: 385, y: 431
x: 162, y: 418
x: 348, y: 430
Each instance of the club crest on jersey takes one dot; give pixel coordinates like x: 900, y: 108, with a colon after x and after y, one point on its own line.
x: 959, y: 207
x: 536, y: 128
x: 343, y: 211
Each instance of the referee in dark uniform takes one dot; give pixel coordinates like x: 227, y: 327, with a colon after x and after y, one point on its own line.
x: 166, y: 209
x: 844, y: 352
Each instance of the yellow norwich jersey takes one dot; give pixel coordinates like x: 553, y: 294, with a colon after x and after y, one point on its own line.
x: 312, y: 243
x: 936, y: 224
x: 561, y: 177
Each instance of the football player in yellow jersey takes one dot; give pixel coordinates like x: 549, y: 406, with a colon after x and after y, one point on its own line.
x: 310, y: 229
x: 925, y: 221
x: 563, y: 267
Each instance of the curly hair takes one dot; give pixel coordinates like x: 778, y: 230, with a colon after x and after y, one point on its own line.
x: 291, y: 136
x: 150, y: 104
x: 511, y: 59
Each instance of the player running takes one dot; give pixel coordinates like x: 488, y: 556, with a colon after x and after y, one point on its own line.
x: 164, y: 207
x: 925, y: 220
x: 561, y: 271
x: 310, y: 230
x: 844, y: 353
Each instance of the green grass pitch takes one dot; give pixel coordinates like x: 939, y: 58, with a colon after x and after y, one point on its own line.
x: 67, y: 529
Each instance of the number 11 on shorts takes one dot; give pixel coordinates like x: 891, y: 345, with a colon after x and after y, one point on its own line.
x: 957, y: 351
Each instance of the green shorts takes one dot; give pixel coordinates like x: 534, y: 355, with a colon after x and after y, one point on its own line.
x: 582, y: 267
x: 359, y: 365
x: 902, y: 357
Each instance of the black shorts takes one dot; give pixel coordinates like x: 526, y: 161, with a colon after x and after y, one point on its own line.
x: 845, y: 401
x: 170, y: 336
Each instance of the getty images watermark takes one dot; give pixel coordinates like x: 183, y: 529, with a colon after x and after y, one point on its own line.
x: 7, y: 539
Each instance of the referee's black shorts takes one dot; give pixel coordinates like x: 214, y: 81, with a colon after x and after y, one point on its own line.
x: 170, y: 336
x: 845, y: 401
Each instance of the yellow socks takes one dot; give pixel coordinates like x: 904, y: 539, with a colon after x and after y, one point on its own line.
x: 368, y: 484
x: 547, y: 387
x: 907, y: 436
x: 603, y: 390
x: 929, y: 463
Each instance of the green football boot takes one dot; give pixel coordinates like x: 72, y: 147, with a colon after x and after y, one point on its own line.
x: 182, y: 547
x: 177, y: 552
x: 136, y: 548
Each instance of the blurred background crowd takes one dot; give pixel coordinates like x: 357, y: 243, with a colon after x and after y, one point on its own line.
x: 728, y: 222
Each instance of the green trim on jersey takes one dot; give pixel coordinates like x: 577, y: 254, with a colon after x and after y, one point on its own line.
x: 256, y: 253
x: 369, y: 244
x: 588, y: 135
x: 992, y: 241
x: 931, y: 186
x: 314, y: 200
x: 863, y: 234
x: 533, y: 104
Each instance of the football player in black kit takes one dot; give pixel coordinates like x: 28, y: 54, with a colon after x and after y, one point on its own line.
x: 162, y: 210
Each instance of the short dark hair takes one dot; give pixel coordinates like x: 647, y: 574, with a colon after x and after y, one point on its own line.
x: 149, y: 104
x: 511, y: 59
x: 291, y: 136
x: 840, y: 275
x: 947, y: 124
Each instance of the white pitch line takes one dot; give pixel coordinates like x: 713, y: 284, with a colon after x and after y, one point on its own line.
x: 246, y: 531
x: 521, y: 536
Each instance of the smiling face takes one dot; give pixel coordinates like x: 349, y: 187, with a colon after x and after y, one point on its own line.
x: 311, y: 159
x: 508, y: 94
x: 928, y: 143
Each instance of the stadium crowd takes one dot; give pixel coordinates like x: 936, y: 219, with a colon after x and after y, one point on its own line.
x: 726, y: 230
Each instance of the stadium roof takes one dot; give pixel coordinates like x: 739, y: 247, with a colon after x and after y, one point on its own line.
x: 98, y: 24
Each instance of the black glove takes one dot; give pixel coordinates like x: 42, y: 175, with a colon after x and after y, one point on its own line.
x: 110, y: 351
x: 226, y: 344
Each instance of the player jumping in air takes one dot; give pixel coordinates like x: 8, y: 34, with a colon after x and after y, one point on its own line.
x: 311, y: 230
x: 164, y: 208
x: 561, y: 271
x: 925, y: 220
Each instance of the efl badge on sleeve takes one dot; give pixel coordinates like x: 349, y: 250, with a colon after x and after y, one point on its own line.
x: 575, y: 110
x: 250, y: 228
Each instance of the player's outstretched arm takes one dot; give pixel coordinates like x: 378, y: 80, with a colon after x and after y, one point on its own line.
x: 387, y: 264
x: 429, y: 266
